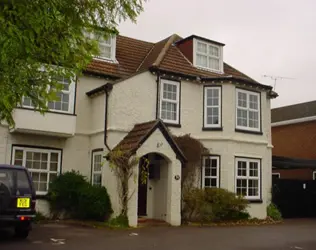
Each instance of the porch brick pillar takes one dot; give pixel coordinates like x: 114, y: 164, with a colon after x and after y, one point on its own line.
x: 174, y: 194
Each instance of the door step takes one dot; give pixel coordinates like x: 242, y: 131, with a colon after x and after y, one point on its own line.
x: 144, y: 222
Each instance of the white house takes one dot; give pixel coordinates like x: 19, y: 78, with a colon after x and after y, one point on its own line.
x: 129, y: 95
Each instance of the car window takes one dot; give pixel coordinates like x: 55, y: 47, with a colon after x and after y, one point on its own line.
x: 23, y: 183
x: 6, y: 180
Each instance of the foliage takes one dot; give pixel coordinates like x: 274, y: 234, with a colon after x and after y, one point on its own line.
x: 120, y: 221
x: 39, y: 217
x: 123, y: 164
x: 94, y: 204
x: 193, y: 150
x: 70, y: 193
x: 273, y: 212
x: 64, y: 193
x: 213, y: 204
x: 50, y: 33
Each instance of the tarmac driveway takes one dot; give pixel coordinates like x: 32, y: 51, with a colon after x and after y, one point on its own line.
x: 293, y: 234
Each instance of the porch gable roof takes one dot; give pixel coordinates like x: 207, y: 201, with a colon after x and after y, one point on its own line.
x: 141, y: 132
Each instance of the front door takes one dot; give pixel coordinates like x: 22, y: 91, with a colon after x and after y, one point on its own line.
x: 142, y: 193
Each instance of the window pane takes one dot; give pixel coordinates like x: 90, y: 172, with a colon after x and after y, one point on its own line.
x: 253, y: 169
x: 212, y: 115
x: 53, y: 166
x: 242, y: 99
x: 214, y: 63
x: 105, y: 50
x: 241, y: 187
x: 207, y: 182
x: 253, y: 102
x: 214, y: 51
x: 242, y: 168
x: 253, y: 189
x: 207, y: 172
x: 18, y: 157
x: 97, y: 179
x: 214, y: 172
x: 212, y: 97
x: 207, y: 162
x: 242, y: 117
x: 213, y: 182
x: 253, y: 119
x: 201, y: 47
x: 201, y: 60
x: 214, y: 163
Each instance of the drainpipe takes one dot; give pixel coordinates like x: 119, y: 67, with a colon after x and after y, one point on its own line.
x: 157, y: 97
x: 107, y: 88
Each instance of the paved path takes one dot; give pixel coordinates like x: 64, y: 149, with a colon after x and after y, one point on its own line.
x: 295, y: 234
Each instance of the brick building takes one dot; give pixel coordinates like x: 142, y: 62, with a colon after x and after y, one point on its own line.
x: 294, y: 141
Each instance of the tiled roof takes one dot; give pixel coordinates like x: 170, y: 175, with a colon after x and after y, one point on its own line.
x: 139, y: 134
x: 135, y: 56
x: 129, y: 55
x: 291, y: 112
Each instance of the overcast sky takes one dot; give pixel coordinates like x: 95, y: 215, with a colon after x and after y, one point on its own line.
x: 267, y: 37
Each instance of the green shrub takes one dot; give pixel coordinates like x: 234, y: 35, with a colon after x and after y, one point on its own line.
x: 273, y: 212
x: 214, y: 204
x: 72, y: 195
x: 63, y: 192
x: 94, y: 204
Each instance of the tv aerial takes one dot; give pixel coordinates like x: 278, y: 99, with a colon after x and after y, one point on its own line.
x: 275, y: 78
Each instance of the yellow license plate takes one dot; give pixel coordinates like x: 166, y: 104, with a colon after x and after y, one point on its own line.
x: 23, y: 202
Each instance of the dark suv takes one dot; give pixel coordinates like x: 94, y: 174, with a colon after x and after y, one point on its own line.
x: 17, y: 199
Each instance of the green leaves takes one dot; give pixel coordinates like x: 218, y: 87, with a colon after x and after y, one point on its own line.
x: 50, y: 32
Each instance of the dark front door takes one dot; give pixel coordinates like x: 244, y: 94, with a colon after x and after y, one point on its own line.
x: 142, y: 193
x: 295, y: 198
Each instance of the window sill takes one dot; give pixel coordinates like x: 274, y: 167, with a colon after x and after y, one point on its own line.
x: 212, y: 129
x: 248, y: 131
x: 258, y: 201
x: 48, y: 111
x: 172, y: 125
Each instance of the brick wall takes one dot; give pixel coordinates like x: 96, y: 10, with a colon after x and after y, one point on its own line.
x: 295, y: 140
x: 297, y: 174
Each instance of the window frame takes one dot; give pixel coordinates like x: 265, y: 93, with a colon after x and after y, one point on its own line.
x: 205, y: 106
x: 248, y: 93
x: 35, y: 149
x: 220, y: 58
x: 217, y: 177
x: 314, y: 175
x: 177, y: 102
x: 72, y: 99
x: 93, y: 172
x: 93, y: 36
x: 248, y: 177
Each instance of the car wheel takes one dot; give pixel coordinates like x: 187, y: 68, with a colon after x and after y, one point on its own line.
x: 21, y: 233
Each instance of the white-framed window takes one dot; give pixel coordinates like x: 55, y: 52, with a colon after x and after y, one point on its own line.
x: 210, y: 171
x: 43, y: 164
x: 276, y: 175
x: 247, y: 110
x: 170, y: 101
x: 208, y: 56
x: 107, y: 47
x: 96, y: 173
x: 314, y: 175
x: 66, y: 97
x: 248, y: 173
x: 212, y: 107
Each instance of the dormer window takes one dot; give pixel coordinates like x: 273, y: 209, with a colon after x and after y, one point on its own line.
x: 107, y: 46
x: 208, y: 56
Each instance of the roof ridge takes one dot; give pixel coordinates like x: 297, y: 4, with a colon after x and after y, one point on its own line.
x: 141, y: 64
x: 164, y: 50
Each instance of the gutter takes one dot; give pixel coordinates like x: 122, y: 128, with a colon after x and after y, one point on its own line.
x: 294, y: 121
